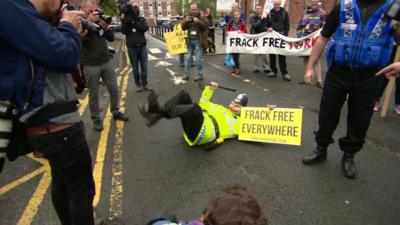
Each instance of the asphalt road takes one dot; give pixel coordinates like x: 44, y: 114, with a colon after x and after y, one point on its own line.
x: 149, y: 172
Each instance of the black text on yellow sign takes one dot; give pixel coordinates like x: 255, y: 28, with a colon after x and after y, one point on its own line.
x: 279, y: 126
x: 176, y: 42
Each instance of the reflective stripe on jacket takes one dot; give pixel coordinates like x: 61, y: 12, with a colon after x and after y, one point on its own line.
x: 228, y: 123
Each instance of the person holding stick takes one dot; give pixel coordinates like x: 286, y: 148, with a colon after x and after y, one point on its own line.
x: 205, y: 123
x: 362, y: 43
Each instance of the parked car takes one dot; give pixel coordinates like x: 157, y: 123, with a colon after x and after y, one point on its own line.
x: 169, y: 24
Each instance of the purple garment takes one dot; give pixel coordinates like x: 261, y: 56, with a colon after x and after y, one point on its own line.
x: 312, y: 21
x: 195, y: 222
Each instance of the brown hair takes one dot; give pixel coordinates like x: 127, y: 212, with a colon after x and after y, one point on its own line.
x: 234, y: 206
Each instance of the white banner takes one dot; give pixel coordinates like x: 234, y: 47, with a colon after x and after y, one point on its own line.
x: 224, y: 5
x: 270, y: 43
x: 268, y: 5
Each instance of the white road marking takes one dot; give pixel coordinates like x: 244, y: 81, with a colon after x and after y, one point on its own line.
x: 151, y: 57
x: 175, y: 79
x: 163, y: 63
x: 155, y: 50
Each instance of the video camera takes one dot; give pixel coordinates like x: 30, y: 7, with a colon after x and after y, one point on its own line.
x: 92, y: 28
x: 131, y: 13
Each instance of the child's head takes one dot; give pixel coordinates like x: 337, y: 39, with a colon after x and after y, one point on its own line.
x: 234, y: 206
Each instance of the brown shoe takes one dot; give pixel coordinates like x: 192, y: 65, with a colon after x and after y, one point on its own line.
x: 198, y: 78
x: 138, y: 89
x: 237, y: 72
x: 233, y: 71
x: 147, y: 88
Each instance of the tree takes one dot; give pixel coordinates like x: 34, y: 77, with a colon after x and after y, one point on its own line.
x: 202, y: 4
x: 109, y: 6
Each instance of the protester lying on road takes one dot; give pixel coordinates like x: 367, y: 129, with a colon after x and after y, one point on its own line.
x: 233, y: 206
x: 205, y: 123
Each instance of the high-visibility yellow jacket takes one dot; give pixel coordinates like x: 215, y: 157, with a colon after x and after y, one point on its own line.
x: 228, y: 123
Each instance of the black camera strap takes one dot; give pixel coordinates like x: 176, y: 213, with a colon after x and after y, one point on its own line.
x: 53, y: 110
x: 48, y: 111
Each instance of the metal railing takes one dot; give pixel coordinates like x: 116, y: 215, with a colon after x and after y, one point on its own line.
x: 159, y: 31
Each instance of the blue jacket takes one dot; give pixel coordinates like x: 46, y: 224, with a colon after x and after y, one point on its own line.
x: 25, y: 34
x: 357, y: 46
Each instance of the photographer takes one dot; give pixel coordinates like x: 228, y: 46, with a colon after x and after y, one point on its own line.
x: 197, y: 29
x: 97, y: 63
x: 35, y: 61
x: 134, y: 27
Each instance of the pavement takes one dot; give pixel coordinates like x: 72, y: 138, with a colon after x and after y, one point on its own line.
x: 142, y: 173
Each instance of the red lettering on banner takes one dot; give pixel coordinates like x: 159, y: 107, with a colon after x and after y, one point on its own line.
x: 298, y: 45
x: 313, y: 40
x: 307, y: 43
x: 290, y: 45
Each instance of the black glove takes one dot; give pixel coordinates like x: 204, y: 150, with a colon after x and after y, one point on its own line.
x: 2, y: 161
x: 211, y: 145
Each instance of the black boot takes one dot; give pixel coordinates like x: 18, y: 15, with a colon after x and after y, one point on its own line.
x: 348, y: 165
x: 151, y: 109
x: 152, y: 102
x: 318, y: 155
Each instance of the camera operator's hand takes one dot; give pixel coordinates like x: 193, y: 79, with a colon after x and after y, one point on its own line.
x: 103, y: 24
x: 195, y: 19
x: 74, y: 17
x: 93, y: 17
x: 83, y: 33
x: 213, y: 85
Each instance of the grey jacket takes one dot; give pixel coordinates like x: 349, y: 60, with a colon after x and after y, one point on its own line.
x: 59, y: 88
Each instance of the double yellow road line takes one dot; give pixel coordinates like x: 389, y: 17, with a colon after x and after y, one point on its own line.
x: 116, y: 191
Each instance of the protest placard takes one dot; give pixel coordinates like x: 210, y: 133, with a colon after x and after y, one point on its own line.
x: 280, y: 125
x: 270, y: 43
x: 176, y: 42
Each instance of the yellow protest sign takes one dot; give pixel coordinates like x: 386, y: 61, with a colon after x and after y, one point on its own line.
x: 176, y: 42
x: 280, y: 125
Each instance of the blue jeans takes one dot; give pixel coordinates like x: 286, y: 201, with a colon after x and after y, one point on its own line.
x: 138, y: 56
x: 194, y: 47
x: 182, y: 59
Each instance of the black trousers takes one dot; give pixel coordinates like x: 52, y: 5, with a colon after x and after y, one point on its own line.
x: 191, y: 115
x: 72, y: 184
x: 282, y: 63
x: 236, y: 57
x: 359, y: 88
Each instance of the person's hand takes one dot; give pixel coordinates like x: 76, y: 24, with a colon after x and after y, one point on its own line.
x: 270, y: 29
x: 74, y: 17
x: 213, y: 85
x: 122, y: 16
x: 309, y: 75
x: 83, y: 33
x: 390, y: 71
x: 93, y: 17
x: 103, y: 24
x: 195, y: 19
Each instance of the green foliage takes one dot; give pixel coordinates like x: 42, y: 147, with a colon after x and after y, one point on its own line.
x: 202, y: 4
x: 109, y: 7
